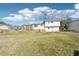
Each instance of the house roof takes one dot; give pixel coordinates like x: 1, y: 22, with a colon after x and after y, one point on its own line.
x: 51, y: 21
x: 3, y: 23
x: 74, y: 25
x: 43, y: 22
x: 37, y: 23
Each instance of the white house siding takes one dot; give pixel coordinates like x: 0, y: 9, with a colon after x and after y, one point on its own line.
x: 56, y: 29
x: 4, y: 28
x: 48, y: 29
x: 38, y: 27
x: 52, y: 29
x: 55, y: 23
x: 52, y: 26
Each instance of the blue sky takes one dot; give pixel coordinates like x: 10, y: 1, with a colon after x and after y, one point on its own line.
x: 7, y: 8
x: 13, y: 8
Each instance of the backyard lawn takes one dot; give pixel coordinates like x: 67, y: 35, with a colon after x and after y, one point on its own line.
x: 23, y: 43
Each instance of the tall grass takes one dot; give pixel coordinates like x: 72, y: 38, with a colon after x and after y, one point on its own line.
x: 39, y: 43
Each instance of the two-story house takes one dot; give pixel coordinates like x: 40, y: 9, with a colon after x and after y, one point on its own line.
x: 48, y: 26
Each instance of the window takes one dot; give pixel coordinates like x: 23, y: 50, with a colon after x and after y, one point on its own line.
x: 48, y: 21
x: 51, y: 21
x: 42, y: 24
x: 35, y: 25
x: 48, y: 27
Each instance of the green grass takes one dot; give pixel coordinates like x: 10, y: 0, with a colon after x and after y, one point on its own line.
x: 38, y: 43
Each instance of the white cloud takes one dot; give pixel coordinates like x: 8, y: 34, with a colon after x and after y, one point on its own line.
x: 7, y: 17
x: 53, y: 14
x: 41, y: 9
x: 75, y: 16
x: 26, y: 12
x: 60, y: 14
x: 42, y: 12
x: 35, y: 22
x: 33, y: 13
x: 76, y: 6
x: 14, y: 17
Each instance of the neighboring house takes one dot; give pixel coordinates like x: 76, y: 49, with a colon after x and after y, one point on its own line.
x: 48, y: 26
x: 74, y: 26
x: 21, y: 28
x: 28, y: 27
x: 14, y: 28
x: 4, y: 27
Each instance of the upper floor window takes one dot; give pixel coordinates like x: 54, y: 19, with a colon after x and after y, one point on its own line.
x: 41, y: 24
x: 51, y: 21
x: 35, y: 25
x: 48, y: 27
